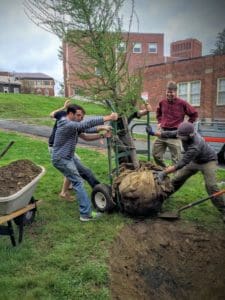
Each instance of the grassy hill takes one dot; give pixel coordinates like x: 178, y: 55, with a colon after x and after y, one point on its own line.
x: 35, y: 109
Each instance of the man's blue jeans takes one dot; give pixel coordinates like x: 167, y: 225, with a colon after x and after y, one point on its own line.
x: 68, y: 168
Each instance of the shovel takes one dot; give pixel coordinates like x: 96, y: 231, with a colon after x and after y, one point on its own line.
x: 6, y: 149
x: 176, y: 215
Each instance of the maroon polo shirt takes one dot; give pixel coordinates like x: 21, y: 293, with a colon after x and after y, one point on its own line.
x: 171, y: 114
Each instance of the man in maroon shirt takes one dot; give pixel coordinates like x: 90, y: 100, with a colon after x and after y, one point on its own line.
x: 170, y: 113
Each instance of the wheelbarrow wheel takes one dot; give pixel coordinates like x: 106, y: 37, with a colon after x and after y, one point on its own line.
x: 101, y: 198
x: 28, y: 217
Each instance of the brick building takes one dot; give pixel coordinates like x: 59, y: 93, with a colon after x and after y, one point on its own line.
x: 143, y: 49
x: 8, y: 84
x: 201, y: 81
x: 26, y: 83
x: 187, y: 48
x: 36, y: 83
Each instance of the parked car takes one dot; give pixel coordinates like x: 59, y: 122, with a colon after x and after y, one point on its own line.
x: 214, y: 134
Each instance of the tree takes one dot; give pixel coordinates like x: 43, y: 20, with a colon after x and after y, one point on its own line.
x: 220, y: 44
x: 94, y: 29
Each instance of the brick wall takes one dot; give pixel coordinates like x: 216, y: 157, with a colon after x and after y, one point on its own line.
x: 187, y: 48
x: 72, y: 64
x: 207, y: 69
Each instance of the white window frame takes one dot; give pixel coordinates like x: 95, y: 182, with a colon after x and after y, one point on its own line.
x: 5, y: 89
x: 153, y: 49
x: 137, y: 45
x: 188, y: 95
x: 220, y: 90
x: 38, y: 83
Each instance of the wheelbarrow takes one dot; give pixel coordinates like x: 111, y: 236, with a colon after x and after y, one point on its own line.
x: 19, y: 207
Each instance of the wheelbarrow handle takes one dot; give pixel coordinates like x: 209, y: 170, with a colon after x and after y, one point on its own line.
x: 6, y: 149
x: 216, y: 194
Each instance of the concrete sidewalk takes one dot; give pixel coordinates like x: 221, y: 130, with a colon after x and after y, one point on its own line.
x: 45, y: 131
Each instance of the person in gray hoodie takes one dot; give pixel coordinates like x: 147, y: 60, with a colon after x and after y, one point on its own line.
x: 198, y: 156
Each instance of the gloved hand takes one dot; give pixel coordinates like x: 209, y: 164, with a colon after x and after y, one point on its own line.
x: 149, y: 130
x: 161, y: 176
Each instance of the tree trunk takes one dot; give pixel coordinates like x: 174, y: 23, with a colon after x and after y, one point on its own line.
x: 125, y: 144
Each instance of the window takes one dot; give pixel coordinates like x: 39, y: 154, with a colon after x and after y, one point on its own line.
x: 122, y: 47
x: 47, y: 82
x: 16, y: 90
x: 190, y: 91
x: 5, y: 89
x: 220, y: 91
x: 38, y: 82
x: 137, y: 48
x: 152, y: 47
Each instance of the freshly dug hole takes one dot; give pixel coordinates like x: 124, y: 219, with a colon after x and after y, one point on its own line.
x: 163, y: 260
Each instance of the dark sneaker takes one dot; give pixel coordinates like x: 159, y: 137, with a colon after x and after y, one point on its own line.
x: 94, y: 215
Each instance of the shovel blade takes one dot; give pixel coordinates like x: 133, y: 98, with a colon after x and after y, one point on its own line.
x: 169, y: 215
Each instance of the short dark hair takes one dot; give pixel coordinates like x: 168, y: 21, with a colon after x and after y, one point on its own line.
x: 171, y: 85
x: 73, y: 108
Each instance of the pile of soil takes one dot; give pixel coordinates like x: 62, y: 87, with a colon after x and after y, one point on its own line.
x: 167, y: 260
x: 16, y: 175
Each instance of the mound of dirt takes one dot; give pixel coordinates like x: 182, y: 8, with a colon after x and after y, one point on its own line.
x: 163, y: 260
x: 16, y: 175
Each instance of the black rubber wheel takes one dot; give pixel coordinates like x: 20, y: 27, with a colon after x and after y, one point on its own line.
x: 28, y: 217
x: 101, y: 198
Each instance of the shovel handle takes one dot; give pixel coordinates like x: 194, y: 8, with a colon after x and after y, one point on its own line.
x: 216, y: 194
x: 6, y: 149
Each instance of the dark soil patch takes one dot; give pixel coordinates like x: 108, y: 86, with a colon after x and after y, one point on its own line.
x: 168, y: 260
x: 16, y: 175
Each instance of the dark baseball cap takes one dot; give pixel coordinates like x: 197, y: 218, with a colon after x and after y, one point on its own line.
x: 185, y: 129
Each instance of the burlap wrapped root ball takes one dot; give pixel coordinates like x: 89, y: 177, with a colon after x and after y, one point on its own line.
x: 141, y: 193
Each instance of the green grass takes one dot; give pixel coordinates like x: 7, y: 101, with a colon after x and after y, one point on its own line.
x: 60, y: 257
x: 33, y: 108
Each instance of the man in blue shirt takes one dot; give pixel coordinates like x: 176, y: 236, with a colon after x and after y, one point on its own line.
x: 66, y: 136
x: 84, y: 172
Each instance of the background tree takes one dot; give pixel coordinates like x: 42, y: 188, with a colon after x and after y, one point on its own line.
x: 94, y: 29
x: 220, y: 43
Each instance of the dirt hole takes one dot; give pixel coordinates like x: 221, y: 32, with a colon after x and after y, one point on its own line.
x: 168, y: 260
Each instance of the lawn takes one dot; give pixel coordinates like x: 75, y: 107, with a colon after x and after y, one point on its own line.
x: 35, y: 109
x: 60, y: 257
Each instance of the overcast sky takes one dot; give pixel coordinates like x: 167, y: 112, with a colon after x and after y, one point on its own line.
x: 24, y: 47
